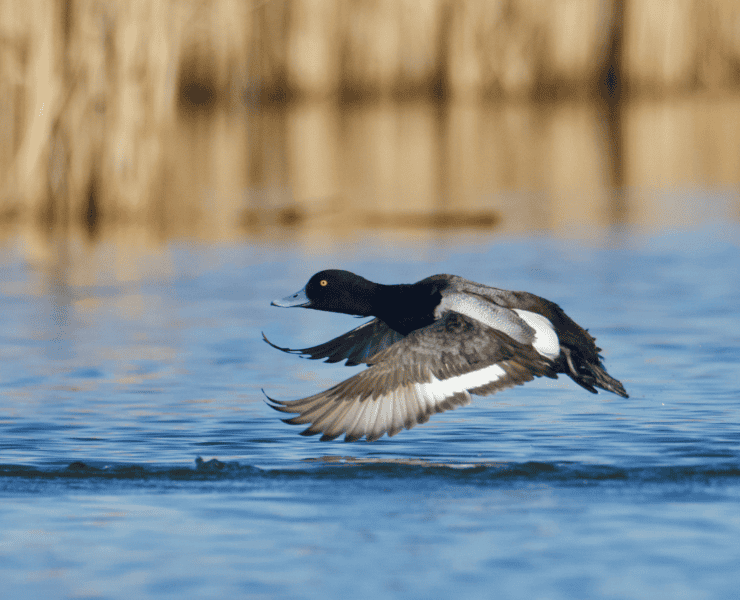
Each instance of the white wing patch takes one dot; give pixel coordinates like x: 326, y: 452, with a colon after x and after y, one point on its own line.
x: 546, y: 341
x: 408, y: 405
x: 439, y: 389
x: 400, y: 408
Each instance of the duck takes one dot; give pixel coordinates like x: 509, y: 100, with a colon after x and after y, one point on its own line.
x: 430, y: 346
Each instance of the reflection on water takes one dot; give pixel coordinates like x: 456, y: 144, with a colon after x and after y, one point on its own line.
x: 314, y: 170
x: 508, y: 167
x: 229, y: 118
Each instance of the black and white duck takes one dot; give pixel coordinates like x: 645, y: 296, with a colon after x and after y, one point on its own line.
x: 430, y: 346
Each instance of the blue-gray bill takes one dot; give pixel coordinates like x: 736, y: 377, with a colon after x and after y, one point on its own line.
x: 297, y: 299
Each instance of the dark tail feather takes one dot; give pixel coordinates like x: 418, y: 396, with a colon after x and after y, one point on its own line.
x: 591, y: 376
x: 603, y: 380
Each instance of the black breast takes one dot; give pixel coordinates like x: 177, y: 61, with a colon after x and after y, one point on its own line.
x: 406, y: 308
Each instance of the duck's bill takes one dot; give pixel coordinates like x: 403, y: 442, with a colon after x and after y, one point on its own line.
x: 297, y: 299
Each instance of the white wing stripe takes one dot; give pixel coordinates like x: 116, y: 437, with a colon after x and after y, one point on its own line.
x: 546, y: 341
x: 439, y: 389
x: 407, y: 404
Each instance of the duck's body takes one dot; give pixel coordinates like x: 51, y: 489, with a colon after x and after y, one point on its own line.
x: 431, y: 345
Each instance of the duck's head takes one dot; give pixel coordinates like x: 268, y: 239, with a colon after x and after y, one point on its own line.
x: 334, y: 290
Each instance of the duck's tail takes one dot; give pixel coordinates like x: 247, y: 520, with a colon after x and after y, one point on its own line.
x: 590, y: 375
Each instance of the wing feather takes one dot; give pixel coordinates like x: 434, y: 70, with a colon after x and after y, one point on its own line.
x: 357, y: 346
x: 431, y: 370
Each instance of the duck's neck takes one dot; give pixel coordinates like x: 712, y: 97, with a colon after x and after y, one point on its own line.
x: 405, y: 308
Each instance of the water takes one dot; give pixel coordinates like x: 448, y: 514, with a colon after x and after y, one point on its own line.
x: 139, y: 460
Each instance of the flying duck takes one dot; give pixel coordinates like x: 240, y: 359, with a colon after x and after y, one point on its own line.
x: 430, y: 346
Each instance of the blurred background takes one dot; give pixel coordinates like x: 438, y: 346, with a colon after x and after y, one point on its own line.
x: 137, y: 123
x: 168, y: 167
x: 166, y: 162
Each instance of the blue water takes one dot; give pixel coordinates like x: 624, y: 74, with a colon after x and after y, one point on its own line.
x: 137, y: 458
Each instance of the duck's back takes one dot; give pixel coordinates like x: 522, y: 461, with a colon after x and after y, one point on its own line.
x: 569, y: 332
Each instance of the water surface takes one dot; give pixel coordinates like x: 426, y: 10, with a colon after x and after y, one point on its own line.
x: 139, y: 459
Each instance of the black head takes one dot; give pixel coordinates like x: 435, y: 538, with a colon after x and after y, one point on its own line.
x: 334, y: 291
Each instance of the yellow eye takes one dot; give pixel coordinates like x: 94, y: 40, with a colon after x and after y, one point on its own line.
x: 323, y: 283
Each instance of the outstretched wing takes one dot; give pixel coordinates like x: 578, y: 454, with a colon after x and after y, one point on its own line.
x: 357, y: 346
x: 431, y: 370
